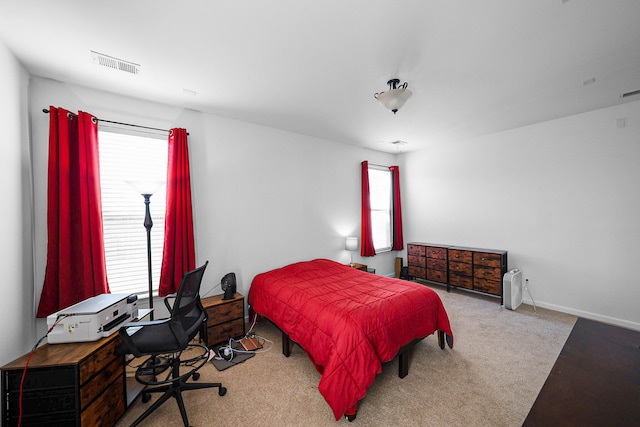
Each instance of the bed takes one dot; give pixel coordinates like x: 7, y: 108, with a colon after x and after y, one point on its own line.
x: 348, y: 322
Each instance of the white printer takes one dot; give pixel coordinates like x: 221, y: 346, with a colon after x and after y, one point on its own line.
x: 91, y: 319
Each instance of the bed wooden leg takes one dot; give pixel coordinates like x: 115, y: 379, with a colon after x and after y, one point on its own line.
x: 286, y: 345
x: 441, y: 339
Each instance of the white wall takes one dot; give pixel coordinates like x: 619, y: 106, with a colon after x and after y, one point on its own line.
x: 262, y: 197
x: 17, y: 331
x: 563, y: 197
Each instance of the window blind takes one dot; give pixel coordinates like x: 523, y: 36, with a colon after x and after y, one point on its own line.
x: 131, y: 158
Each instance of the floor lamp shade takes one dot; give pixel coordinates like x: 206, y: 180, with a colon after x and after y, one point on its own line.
x: 146, y: 186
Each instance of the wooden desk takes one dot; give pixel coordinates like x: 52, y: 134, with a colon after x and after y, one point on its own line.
x: 72, y: 384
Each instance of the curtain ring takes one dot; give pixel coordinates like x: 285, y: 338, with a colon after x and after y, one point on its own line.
x: 69, y: 116
x: 94, y: 120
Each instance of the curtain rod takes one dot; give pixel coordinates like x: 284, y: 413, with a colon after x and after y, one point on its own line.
x: 44, y: 110
x: 380, y: 166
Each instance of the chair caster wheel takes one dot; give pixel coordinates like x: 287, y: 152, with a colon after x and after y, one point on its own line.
x: 196, y: 376
x: 222, y: 391
x: 146, y: 397
x: 350, y: 417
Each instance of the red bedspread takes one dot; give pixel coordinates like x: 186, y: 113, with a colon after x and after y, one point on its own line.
x: 348, y: 321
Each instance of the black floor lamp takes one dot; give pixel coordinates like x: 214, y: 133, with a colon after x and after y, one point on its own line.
x: 147, y: 189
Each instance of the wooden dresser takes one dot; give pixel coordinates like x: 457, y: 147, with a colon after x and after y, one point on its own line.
x: 73, y: 384
x: 476, y: 269
x: 225, y: 318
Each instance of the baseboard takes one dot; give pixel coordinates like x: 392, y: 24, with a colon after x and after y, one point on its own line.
x: 587, y: 315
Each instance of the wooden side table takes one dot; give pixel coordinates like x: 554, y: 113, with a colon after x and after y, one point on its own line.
x: 358, y: 266
x: 225, y: 318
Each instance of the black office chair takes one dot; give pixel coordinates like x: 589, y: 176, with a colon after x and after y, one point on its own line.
x: 165, y: 340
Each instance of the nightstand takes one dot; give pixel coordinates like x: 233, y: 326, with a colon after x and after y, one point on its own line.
x: 225, y: 318
x: 357, y: 266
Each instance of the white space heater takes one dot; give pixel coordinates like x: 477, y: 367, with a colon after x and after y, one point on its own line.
x: 512, y: 289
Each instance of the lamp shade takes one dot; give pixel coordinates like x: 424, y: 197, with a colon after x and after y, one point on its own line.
x: 146, y: 186
x: 395, y: 97
x: 351, y: 244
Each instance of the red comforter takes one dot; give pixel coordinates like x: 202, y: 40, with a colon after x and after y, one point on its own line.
x: 348, y: 321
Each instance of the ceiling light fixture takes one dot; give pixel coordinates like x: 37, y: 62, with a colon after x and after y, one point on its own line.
x: 395, y: 97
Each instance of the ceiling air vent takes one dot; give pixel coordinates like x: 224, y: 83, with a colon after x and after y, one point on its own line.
x: 115, y: 63
x: 628, y: 94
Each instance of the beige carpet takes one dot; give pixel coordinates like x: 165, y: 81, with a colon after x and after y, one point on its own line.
x: 491, y: 377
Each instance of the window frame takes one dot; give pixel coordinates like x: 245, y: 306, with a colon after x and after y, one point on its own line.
x: 373, y: 181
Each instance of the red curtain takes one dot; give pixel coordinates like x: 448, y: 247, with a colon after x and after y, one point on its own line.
x: 178, y: 256
x: 366, y: 248
x: 76, y: 268
x: 398, y: 243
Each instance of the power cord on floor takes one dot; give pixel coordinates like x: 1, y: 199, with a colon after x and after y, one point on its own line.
x: 227, y: 351
x: 526, y: 288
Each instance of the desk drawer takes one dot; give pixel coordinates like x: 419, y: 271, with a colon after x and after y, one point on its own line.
x: 99, y: 359
x: 99, y: 384
x: 108, y: 406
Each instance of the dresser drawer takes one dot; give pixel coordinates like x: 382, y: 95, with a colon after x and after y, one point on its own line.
x: 417, y: 250
x: 99, y: 383
x: 436, y: 252
x: 462, y: 281
x: 224, y: 312
x: 461, y: 268
x: 415, y: 271
x: 436, y: 264
x: 221, y: 332
x: 108, y: 406
x: 488, y: 273
x: 437, y: 275
x: 488, y: 259
x: 419, y: 261
x: 98, y: 360
x: 484, y: 285
x: 459, y: 255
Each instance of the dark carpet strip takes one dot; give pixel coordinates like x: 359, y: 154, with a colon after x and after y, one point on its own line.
x: 594, y: 382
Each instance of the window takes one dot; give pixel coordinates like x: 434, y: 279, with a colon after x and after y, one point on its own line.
x: 380, y: 197
x: 129, y: 158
